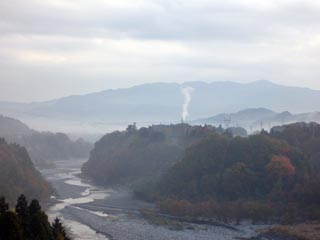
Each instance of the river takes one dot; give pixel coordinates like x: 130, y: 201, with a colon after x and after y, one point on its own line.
x: 70, y: 191
x: 95, y: 213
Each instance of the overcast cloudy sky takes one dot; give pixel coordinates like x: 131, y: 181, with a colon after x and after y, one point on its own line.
x: 52, y: 48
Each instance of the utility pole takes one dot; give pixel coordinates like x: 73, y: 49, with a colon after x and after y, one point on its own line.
x: 313, y: 130
x: 227, y: 121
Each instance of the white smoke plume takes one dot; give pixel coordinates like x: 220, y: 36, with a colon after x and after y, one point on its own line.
x: 186, y: 91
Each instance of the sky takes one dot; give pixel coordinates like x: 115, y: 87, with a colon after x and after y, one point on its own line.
x: 54, y: 48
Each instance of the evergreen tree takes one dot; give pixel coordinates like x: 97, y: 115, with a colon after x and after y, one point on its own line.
x: 4, y: 206
x: 28, y: 222
x: 10, y: 228
x: 39, y: 225
x: 59, y: 230
x: 23, y: 214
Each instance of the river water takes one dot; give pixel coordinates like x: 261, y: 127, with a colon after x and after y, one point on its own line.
x: 70, y: 192
x: 96, y: 213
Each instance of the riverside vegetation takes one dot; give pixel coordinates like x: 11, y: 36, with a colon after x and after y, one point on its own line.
x: 44, y: 148
x: 194, y: 171
x: 19, y: 175
x: 28, y: 222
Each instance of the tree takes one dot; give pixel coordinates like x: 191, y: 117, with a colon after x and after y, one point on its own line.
x: 132, y: 128
x: 280, y: 169
x: 39, y: 225
x: 281, y: 166
x: 59, y: 230
x: 23, y: 214
x: 10, y: 228
x: 22, y: 206
x: 28, y: 222
x: 4, y: 206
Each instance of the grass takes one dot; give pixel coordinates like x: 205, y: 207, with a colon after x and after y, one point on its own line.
x: 304, y: 231
x: 171, y: 224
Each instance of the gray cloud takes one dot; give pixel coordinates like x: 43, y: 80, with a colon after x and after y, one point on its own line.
x: 82, y: 46
x: 181, y: 20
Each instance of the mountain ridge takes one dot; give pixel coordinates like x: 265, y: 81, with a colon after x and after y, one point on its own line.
x: 257, y: 82
x: 162, y: 102
x: 254, y: 117
x: 19, y: 175
x: 43, y: 147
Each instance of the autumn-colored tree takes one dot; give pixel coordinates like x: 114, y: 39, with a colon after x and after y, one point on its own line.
x: 281, y: 166
x: 227, y: 177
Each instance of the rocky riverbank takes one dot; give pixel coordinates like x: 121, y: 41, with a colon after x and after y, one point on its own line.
x: 115, y: 214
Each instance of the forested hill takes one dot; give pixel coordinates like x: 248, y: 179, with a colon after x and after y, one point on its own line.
x: 203, y: 171
x: 304, y: 136
x: 134, y: 154
x: 43, y: 147
x: 18, y: 174
x: 263, y: 177
x: 228, y: 168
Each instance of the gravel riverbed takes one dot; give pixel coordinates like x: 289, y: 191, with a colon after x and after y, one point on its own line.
x: 93, y: 212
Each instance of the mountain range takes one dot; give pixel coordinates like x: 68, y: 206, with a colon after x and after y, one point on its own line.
x: 256, y: 118
x: 44, y: 147
x: 162, y: 102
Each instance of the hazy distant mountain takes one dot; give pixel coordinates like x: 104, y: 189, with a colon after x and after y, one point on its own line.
x: 162, y: 102
x: 10, y: 126
x: 43, y: 147
x: 255, y: 117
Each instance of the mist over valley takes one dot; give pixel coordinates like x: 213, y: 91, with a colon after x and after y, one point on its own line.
x: 157, y: 120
